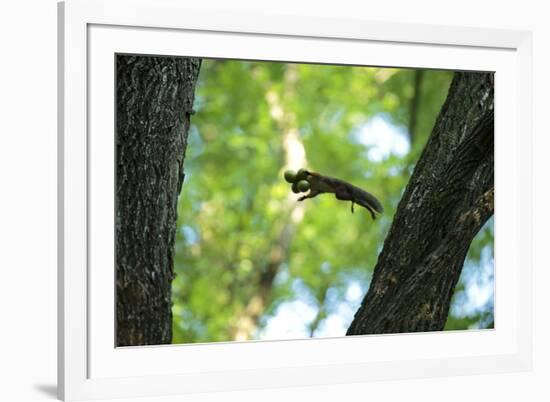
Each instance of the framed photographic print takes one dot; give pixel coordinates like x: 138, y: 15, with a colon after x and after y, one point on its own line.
x: 254, y: 201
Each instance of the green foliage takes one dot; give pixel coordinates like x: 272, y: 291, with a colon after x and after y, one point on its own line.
x: 240, y: 233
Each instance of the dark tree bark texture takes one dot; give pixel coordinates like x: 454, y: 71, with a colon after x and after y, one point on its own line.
x: 447, y: 200
x: 154, y: 102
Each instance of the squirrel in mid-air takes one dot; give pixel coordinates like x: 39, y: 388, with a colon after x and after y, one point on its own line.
x: 342, y: 190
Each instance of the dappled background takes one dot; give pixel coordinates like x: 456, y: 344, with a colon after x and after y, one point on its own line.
x: 251, y: 262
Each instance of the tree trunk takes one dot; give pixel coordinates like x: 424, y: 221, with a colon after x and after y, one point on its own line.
x: 415, y: 105
x: 291, y: 212
x: 154, y: 101
x: 447, y: 200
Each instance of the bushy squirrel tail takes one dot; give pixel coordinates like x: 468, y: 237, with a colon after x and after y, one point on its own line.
x: 369, y: 201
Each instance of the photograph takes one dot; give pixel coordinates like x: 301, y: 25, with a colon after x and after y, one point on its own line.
x: 274, y: 200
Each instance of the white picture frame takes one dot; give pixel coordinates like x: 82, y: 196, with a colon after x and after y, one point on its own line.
x: 91, y: 32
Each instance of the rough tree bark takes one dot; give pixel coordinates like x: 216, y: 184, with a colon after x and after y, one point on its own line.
x: 447, y: 200
x: 154, y: 101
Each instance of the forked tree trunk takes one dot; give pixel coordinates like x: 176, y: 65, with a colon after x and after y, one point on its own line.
x: 447, y: 200
x: 154, y: 101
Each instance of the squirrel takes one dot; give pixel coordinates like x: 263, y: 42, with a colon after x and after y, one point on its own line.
x: 342, y: 190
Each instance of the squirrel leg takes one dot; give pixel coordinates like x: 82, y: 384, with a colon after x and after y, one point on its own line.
x: 371, y: 212
x: 352, y: 211
x: 311, y: 194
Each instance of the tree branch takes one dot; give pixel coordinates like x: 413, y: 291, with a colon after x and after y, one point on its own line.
x: 446, y: 202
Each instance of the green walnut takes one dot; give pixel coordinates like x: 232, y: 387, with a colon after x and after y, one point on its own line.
x: 290, y: 176
x: 301, y: 175
x: 295, y: 188
x: 303, y: 186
